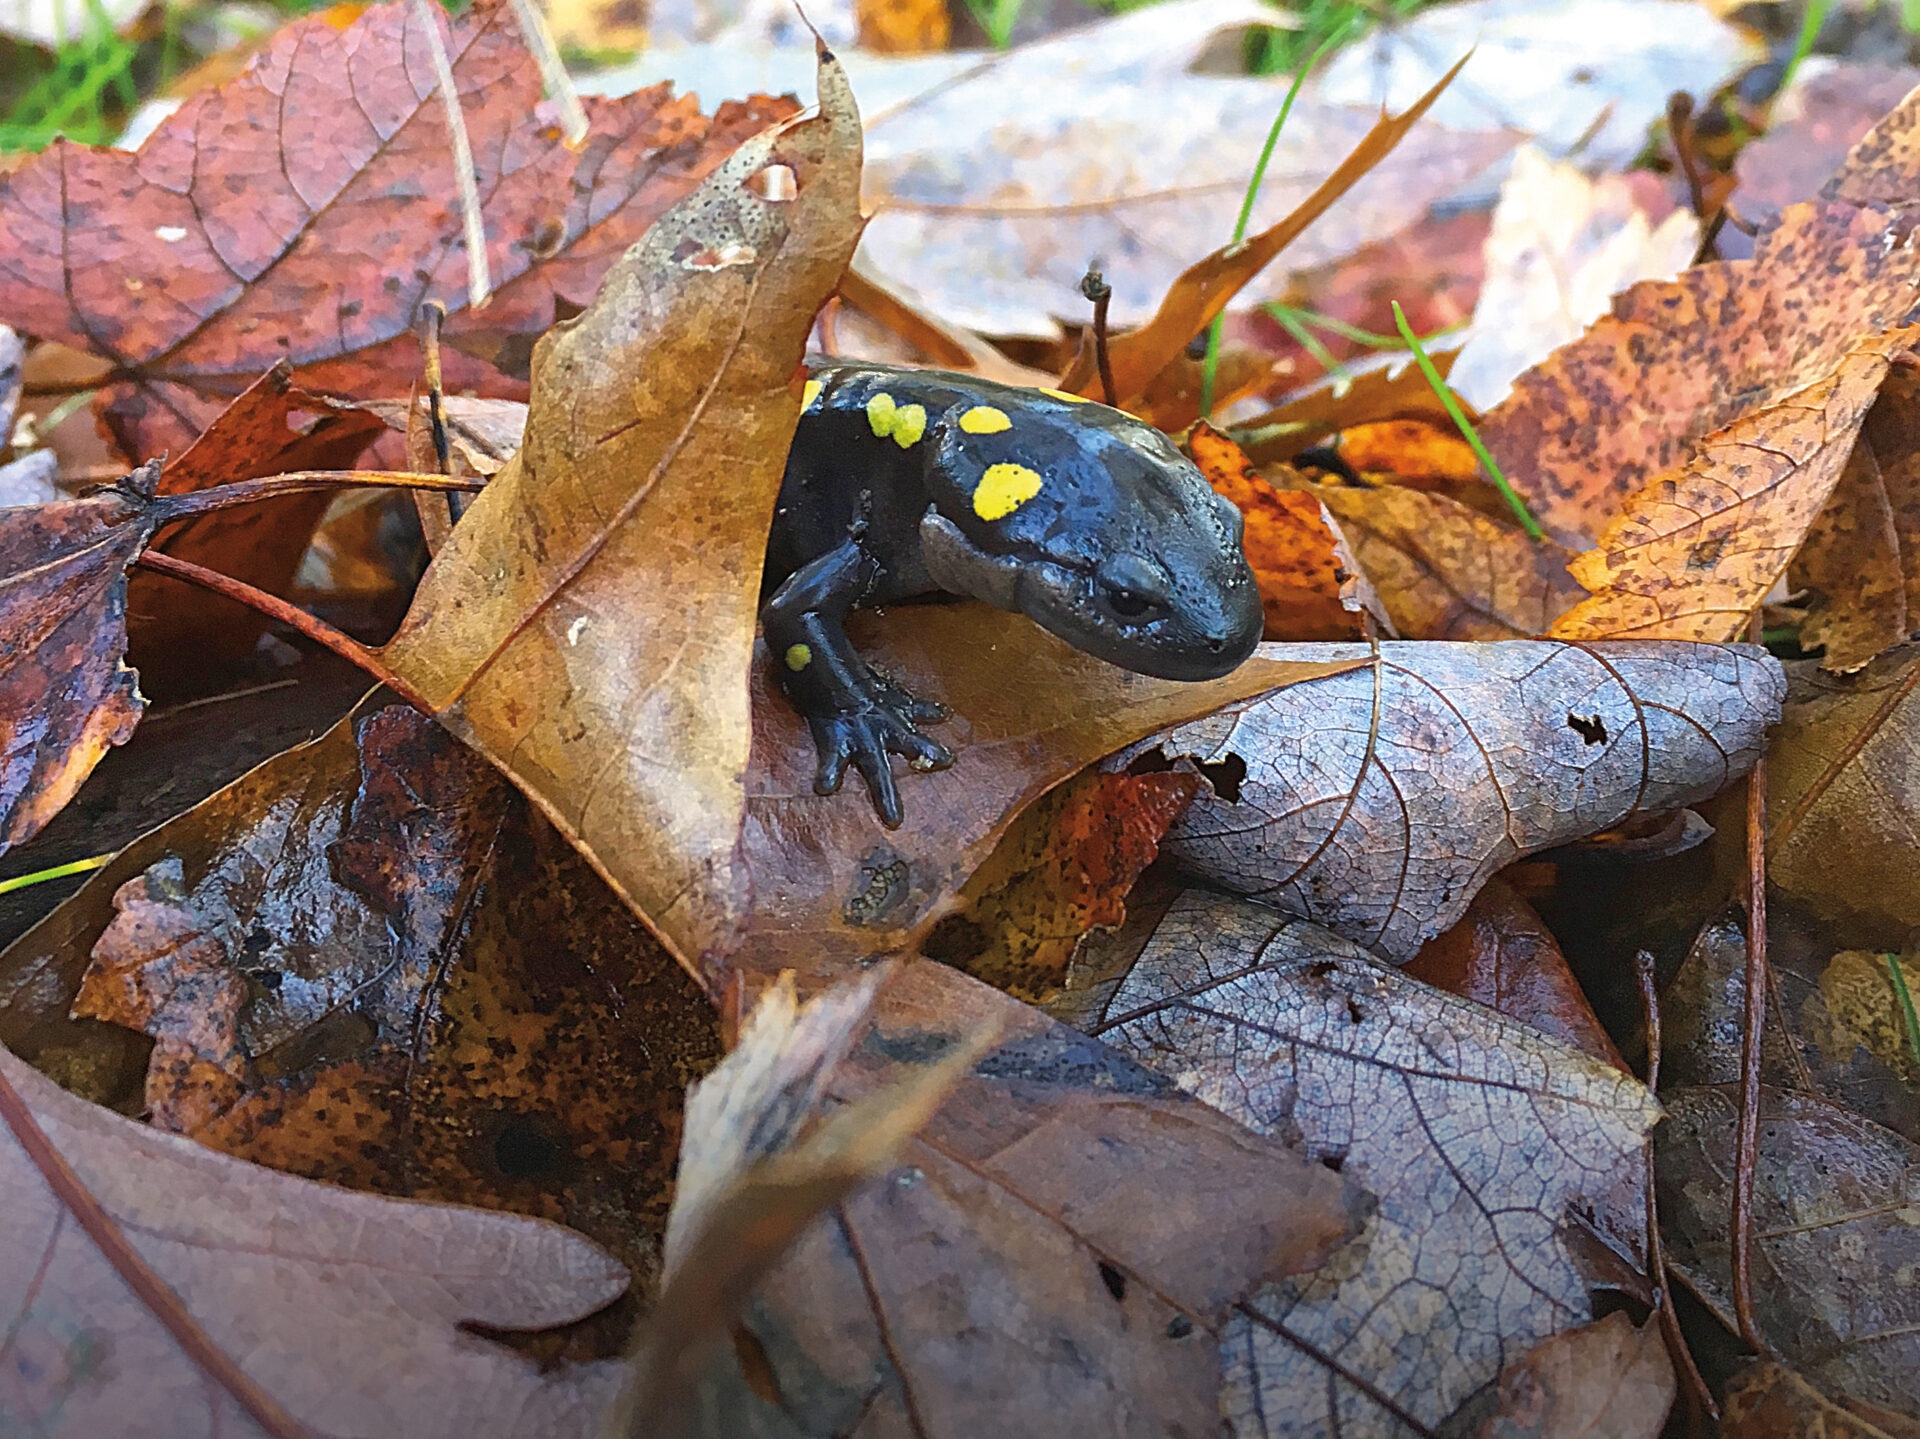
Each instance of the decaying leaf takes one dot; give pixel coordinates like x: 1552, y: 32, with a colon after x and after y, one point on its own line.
x: 367, y: 962
x: 1604, y: 1380
x: 1770, y: 1401
x: 1834, y: 1234
x: 1065, y: 867
x: 1843, y: 809
x: 343, y: 1311
x: 1378, y: 801
x: 1444, y: 570
x: 65, y: 694
x: 1479, y: 1137
x: 237, y: 236
x: 1693, y: 554
x: 832, y: 887
x: 992, y: 189
x: 590, y: 624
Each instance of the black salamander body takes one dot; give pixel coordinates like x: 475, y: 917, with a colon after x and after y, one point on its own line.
x: 904, y: 483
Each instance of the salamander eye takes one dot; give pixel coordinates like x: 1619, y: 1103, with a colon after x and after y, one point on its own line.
x: 1131, y: 589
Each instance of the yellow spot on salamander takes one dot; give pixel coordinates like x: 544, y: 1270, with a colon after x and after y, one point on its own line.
x: 1063, y: 395
x: 904, y: 424
x: 985, y: 420
x: 799, y: 657
x: 1003, y: 489
x: 810, y: 396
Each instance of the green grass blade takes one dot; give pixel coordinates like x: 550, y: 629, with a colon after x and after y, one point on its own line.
x: 1459, y: 416
x: 1810, y: 24
x: 1896, y: 974
x: 59, y: 871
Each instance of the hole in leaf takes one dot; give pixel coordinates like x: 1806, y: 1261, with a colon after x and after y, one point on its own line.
x: 1226, y: 777
x: 1592, y: 729
x: 774, y: 183
x: 1354, y: 1011
x: 1115, y: 1281
x: 1336, y: 1160
x: 755, y: 1367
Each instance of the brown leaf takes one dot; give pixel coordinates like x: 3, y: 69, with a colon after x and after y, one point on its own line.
x: 239, y: 234
x: 1480, y: 1138
x: 1204, y: 288
x: 65, y: 694
x: 832, y: 887
x: 1378, y: 801
x: 1605, y: 416
x: 1605, y: 1380
x: 1055, y: 1253
x: 1862, y: 556
x: 368, y: 962
x: 1694, y: 553
x: 1064, y: 868
x: 1445, y: 571
x: 1834, y: 1246
x: 1412, y: 451
x: 1295, y: 549
x: 1770, y: 1401
x: 1381, y: 392
x: 590, y: 624
x: 155, y: 1288
x: 1501, y: 955
x: 1879, y: 169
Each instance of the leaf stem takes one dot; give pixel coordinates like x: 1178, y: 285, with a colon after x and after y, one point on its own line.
x: 1465, y: 426
x: 1210, y: 367
x: 169, y: 508
x: 277, y: 609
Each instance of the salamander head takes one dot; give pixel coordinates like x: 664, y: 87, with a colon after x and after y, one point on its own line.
x: 1096, y: 527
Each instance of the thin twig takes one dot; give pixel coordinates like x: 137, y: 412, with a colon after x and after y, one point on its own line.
x: 1095, y: 287
x: 169, y: 508
x: 277, y: 609
x: 435, y: 512
x: 1680, y: 131
x: 153, y: 1292
x: 554, y: 78
x: 479, y: 283
x: 1699, y: 1396
x: 1747, y: 1147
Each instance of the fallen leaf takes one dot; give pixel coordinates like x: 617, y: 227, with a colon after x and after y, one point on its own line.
x: 832, y: 887
x: 1562, y: 245
x: 154, y: 1287
x: 1299, y: 555
x: 1411, y: 451
x: 1064, y: 868
x: 903, y: 27
x: 993, y: 189
x: 1861, y: 558
x: 1833, y: 1235
x: 1770, y: 1401
x: 238, y: 236
x: 1203, y: 289
x: 66, y: 696
x: 1843, y: 812
x: 1606, y: 1378
x: 1390, y: 389
x: 1604, y: 417
x: 367, y: 962
x: 590, y: 623
x: 1813, y: 127
x: 1055, y: 1253
x: 1692, y: 556
x: 1480, y: 1138
x: 1501, y: 955
x: 1378, y: 801
x: 1445, y: 571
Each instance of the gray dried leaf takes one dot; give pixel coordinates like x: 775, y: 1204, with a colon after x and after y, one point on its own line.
x: 1378, y: 801
x: 1483, y: 1141
x: 1836, y: 1224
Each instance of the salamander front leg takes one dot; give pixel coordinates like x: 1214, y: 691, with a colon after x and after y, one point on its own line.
x: 855, y: 714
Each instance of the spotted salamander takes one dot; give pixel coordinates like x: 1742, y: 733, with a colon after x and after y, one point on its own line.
x: 903, y: 483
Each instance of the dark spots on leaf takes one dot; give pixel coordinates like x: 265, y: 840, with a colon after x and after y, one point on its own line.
x: 879, y: 888
x: 349, y: 309
x: 956, y: 940
x: 391, y: 284
x: 1179, y: 1327
x: 1065, y: 1056
x: 532, y: 1147
x: 1590, y: 728
x: 1115, y: 1281
x: 544, y: 243
x: 258, y: 941
x: 1226, y: 776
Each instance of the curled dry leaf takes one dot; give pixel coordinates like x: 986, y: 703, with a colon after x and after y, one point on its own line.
x: 1480, y: 1138
x: 65, y: 694
x: 1606, y: 1379
x: 1055, y: 1253
x: 1834, y: 1237
x: 368, y: 962
x: 335, y: 1311
x: 1843, y: 806
x: 1378, y: 801
x: 832, y: 887
x: 590, y: 623
x: 1694, y: 553
x: 237, y: 235
x: 1599, y: 421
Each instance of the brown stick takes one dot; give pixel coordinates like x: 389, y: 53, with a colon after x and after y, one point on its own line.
x: 1747, y: 1148
x: 275, y: 608
x: 168, y: 508
x: 1699, y: 1396
x: 1095, y: 287
x: 435, y: 512
x: 149, y: 1288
